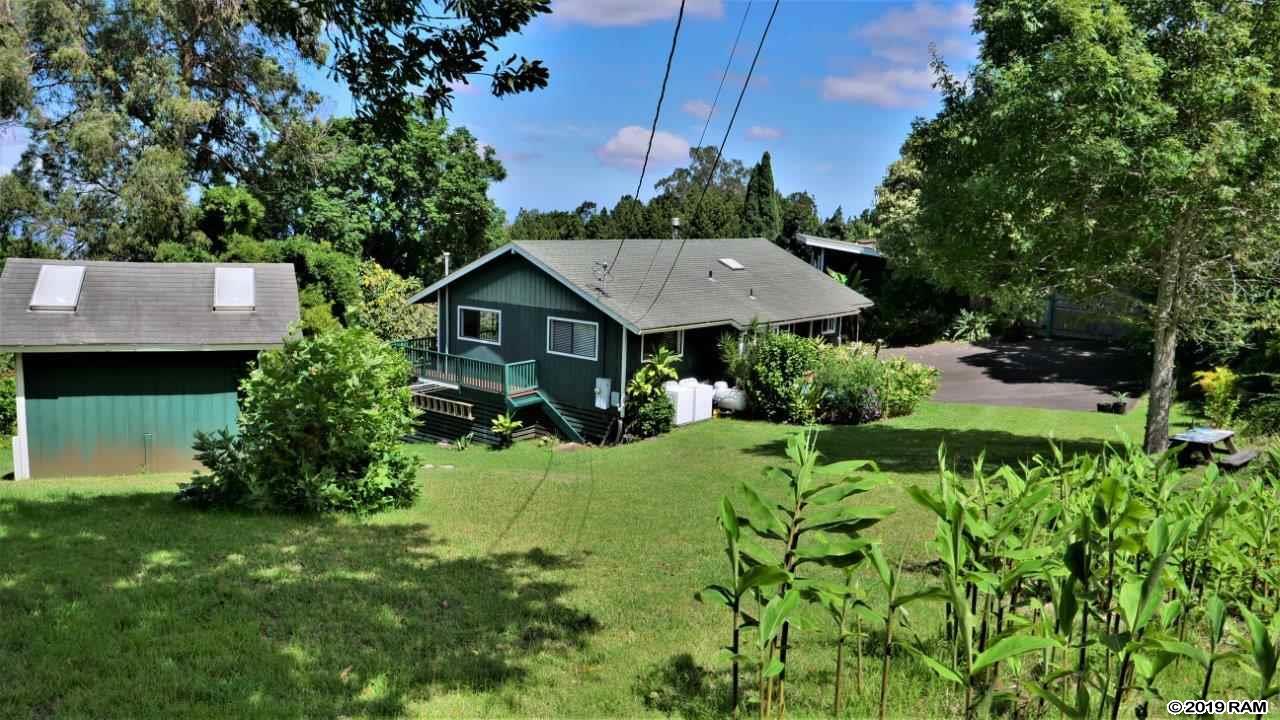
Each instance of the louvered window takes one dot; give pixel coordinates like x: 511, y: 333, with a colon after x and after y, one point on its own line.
x: 574, y: 338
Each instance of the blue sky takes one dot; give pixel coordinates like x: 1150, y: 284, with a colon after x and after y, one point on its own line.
x: 834, y: 94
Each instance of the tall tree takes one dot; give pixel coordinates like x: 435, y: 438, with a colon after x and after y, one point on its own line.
x: 730, y: 175
x: 799, y: 215
x: 399, y: 200
x: 761, y: 216
x: 1132, y: 145
x: 834, y: 227
x: 130, y: 105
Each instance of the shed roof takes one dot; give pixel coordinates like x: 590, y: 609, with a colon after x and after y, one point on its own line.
x: 857, y: 247
x: 773, y: 286
x: 132, y: 306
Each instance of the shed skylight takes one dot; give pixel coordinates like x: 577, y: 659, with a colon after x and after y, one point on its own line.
x: 732, y: 264
x: 232, y: 288
x: 58, y: 288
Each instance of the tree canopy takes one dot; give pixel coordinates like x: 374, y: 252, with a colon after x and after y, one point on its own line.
x: 1130, y: 145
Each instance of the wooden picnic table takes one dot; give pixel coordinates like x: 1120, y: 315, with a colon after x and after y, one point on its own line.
x: 1204, y: 442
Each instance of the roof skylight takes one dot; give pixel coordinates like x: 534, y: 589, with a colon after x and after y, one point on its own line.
x: 732, y: 264
x: 58, y: 288
x: 233, y: 288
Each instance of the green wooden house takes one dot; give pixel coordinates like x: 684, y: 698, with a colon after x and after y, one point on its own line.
x: 118, y: 364
x: 551, y: 331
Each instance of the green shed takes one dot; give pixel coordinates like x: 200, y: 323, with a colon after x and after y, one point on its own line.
x: 119, y: 364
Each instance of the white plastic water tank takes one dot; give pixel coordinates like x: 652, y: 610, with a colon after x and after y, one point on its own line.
x: 702, y: 396
x: 721, y: 388
x: 733, y: 400
x: 689, y: 381
x: 682, y: 399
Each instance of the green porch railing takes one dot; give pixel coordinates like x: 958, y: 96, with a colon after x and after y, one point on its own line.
x: 521, y: 377
x: 498, y: 378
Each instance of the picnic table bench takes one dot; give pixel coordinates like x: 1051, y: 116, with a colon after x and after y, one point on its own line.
x: 1204, y: 441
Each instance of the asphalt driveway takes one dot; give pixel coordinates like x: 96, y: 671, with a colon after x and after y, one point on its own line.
x: 1043, y: 373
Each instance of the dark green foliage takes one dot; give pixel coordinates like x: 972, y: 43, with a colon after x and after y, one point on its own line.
x: 321, y: 422
x: 1263, y: 418
x: 652, y: 412
x: 834, y: 226
x: 780, y: 370
x: 849, y: 382
x: 396, y: 57
x: 8, y: 405
x: 855, y: 386
x: 761, y: 216
x: 653, y: 416
x: 799, y: 215
x: 906, y: 384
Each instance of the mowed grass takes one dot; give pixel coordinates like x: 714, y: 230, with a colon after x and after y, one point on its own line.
x: 525, y: 582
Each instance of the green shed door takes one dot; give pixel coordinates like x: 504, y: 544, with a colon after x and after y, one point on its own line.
x: 116, y: 413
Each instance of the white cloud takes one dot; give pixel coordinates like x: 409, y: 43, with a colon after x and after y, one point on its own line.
x: 761, y: 132
x: 898, y: 41
x: 892, y: 88
x: 700, y: 109
x: 922, y: 20
x: 606, y: 13
x: 627, y: 146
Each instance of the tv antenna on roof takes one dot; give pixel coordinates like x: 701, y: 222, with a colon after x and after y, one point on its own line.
x: 600, y: 269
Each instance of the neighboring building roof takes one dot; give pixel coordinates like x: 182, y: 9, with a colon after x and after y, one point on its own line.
x: 859, y: 247
x: 773, y: 285
x: 139, y: 306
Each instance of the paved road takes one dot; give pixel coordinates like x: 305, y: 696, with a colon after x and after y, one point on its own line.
x: 1057, y: 374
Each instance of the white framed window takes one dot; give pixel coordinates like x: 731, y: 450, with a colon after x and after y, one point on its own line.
x: 482, y: 325
x: 828, y: 326
x: 672, y: 340
x: 573, y: 338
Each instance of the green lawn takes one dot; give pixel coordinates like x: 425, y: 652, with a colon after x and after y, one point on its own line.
x: 524, y: 582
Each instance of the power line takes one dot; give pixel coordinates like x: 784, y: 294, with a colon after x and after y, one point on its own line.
x: 719, y: 154
x: 732, y: 51
x: 654, y: 129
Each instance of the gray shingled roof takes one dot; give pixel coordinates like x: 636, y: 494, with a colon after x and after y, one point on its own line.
x: 786, y: 289
x: 158, y: 305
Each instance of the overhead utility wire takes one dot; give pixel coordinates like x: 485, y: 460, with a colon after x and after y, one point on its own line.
x: 719, y: 154
x: 732, y: 51
x: 705, y: 125
x: 654, y: 130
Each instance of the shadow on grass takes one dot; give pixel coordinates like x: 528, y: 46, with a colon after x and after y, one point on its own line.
x: 915, y: 450
x: 132, y: 606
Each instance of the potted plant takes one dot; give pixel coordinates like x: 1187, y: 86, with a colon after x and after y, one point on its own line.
x: 1118, y: 405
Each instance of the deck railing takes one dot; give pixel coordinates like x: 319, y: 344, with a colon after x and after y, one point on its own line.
x: 500, y: 378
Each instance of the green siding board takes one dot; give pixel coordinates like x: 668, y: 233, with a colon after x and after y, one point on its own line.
x: 87, y: 413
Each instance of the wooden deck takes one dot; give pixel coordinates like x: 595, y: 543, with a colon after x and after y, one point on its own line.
x: 506, y: 379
